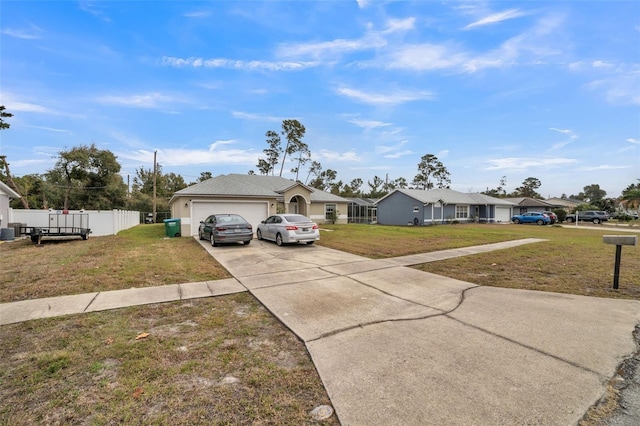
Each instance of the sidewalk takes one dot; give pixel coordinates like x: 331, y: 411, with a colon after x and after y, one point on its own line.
x: 90, y: 302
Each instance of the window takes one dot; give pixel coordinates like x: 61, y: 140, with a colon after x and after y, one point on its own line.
x: 462, y: 212
x: 416, y: 209
x: 329, y: 211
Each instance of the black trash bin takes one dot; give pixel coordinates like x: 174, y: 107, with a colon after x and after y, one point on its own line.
x: 172, y: 227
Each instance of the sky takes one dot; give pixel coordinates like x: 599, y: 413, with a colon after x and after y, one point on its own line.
x: 543, y: 89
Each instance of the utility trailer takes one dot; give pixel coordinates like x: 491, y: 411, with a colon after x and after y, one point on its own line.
x: 62, y: 225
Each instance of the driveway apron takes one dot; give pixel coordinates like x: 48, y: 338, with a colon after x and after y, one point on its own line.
x: 398, y: 346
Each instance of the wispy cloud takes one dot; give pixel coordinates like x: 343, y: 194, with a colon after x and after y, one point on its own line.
x: 570, y: 133
x: 349, y: 156
x: 49, y: 129
x: 521, y: 164
x: 369, y: 124
x: 329, y: 50
x: 425, y: 57
x: 197, y: 14
x: 256, y: 117
x: 214, y: 154
x: 27, y: 107
x: 393, y: 151
x: 93, y: 9
x: 497, y: 17
x: 635, y: 141
x: 442, y: 154
x: 621, y: 88
x: 31, y: 33
x: 391, y: 98
x: 256, y: 65
x: 145, y: 100
x: 602, y: 167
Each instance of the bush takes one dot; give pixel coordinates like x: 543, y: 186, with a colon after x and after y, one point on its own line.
x: 561, y: 213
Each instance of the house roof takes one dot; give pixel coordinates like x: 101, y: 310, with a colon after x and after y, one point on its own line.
x: 362, y: 201
x: 449, y: 196
x: 254, y: 186
x: 529, y: 202
x: 566, y: 202
x: 5, y: 189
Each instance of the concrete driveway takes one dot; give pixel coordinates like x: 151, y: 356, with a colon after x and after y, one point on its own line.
x: 397, y: 346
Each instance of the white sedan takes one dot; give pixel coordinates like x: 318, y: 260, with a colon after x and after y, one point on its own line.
x: 288, y: 228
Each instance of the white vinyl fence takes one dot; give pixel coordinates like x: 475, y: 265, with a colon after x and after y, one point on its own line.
x: 101, y: 222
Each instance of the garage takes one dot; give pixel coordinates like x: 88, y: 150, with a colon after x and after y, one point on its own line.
x: 503, y: 214
x: 253, y: 211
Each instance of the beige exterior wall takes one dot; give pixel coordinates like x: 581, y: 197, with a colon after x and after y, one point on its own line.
x: 318, y: 212
x: 181, y: 207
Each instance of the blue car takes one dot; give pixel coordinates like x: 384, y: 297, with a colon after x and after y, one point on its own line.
x: 538, y: 218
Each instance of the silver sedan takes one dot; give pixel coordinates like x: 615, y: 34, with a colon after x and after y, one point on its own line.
x: 288, y: 228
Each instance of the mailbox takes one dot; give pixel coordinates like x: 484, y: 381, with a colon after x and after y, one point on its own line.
x: 621, y: 240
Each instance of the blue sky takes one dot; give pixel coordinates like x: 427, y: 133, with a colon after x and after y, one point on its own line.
x: 545, y: 89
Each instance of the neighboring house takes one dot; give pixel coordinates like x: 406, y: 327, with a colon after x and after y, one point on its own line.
x: 526, y: 204
x: 362, y: 210
x: 564, y: 203
x: 254, y: 197
x: 418, y: 207
x: 6, y: 194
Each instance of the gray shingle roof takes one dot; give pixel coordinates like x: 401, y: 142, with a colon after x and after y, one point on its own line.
x: 449, y: 196
x: 252, y: 186
x: 530, y: 202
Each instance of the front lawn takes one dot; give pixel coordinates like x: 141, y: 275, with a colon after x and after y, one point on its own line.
x: 573, y: 260
x: 138, y: 257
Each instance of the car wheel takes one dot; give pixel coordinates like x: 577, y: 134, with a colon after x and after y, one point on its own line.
x: 310, y: 242
x: 246, y: 243
x: 213, y: 241
x: 259, y: 234
x: 569, y: 219
x: 200, y: 236
x: 540, y: 222
x: 596, y: 221
x: 279, y: 239
x: 516, y: 221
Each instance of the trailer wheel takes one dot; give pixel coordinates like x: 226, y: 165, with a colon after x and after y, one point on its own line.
x: 34, y: 238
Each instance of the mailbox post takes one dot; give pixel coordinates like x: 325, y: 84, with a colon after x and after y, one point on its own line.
x: 619, y: 241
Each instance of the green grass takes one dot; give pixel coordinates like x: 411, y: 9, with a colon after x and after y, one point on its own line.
x: 138, y: 257
x: 573, y: 260
x: 222, y: 360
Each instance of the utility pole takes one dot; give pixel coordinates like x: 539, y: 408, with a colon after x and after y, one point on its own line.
x: 155, y: 170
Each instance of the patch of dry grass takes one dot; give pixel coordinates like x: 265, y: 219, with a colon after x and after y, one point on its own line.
x: 138, y: 257
x: 222, y: 360
x: 571, y: 261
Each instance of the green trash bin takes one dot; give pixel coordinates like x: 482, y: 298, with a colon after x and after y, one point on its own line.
x: 172, y: 227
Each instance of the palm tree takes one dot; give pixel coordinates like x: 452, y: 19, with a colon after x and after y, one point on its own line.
x: 631, y: 199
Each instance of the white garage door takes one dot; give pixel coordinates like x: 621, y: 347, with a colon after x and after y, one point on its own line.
x: 503, y: 214
x: 253, y: 212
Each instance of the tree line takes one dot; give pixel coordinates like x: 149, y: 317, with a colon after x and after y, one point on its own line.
x: 85, y: 177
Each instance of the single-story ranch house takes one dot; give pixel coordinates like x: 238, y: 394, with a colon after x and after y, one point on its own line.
x: 6, y: 194
x: 527, y: 204
x: 254, y: 197
x: 419, y: 207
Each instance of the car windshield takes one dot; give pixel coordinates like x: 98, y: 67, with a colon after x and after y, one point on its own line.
x: 297, y: 218
x: 231, y: 220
